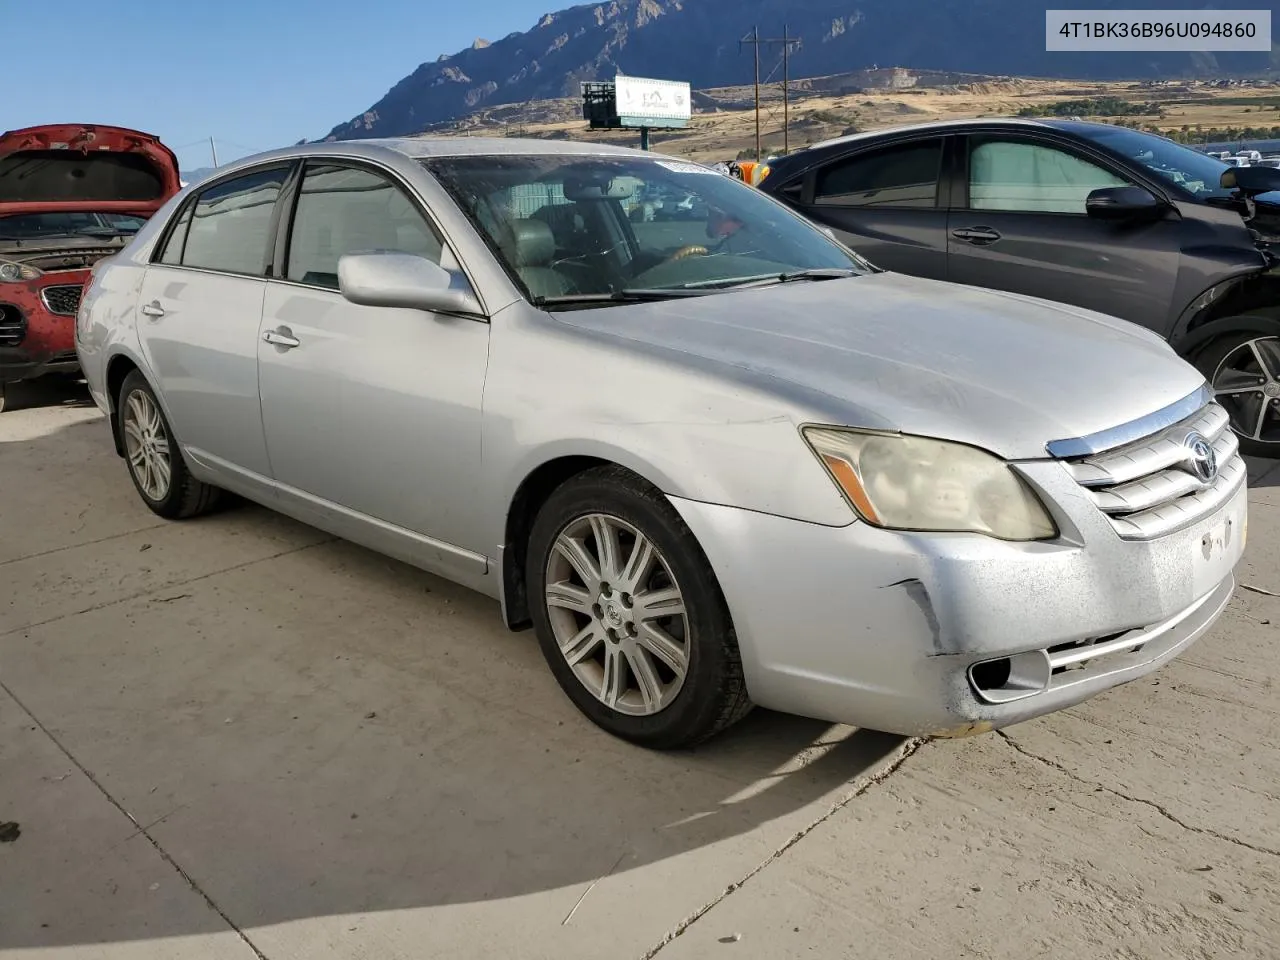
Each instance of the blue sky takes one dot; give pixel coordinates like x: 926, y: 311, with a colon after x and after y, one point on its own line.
x: 254, y: 74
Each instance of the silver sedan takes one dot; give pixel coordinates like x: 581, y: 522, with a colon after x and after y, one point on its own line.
x: 712, y: 457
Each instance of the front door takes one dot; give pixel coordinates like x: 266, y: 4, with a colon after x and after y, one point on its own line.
x: 1023, y: 228
x: 375, y: 411
x: 199, y: 311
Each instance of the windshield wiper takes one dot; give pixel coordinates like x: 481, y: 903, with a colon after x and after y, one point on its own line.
x: 822, y: 273
x: 635, y: 295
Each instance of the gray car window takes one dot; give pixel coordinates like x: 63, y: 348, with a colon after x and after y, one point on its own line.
x: 231, y: 223
x: 345, y: 210
x: 1032, y: 177
x: 172, y: 252
x: 591, y: 225
x: 905, y: 175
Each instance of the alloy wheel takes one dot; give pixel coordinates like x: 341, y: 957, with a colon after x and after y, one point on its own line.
x: 147, y: 445
x: 618, y: 615
x: 1247, y: 384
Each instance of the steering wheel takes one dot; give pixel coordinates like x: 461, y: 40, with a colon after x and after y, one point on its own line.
x: 691, y: 250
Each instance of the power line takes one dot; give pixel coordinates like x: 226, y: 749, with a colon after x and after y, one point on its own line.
x: 754, y: 40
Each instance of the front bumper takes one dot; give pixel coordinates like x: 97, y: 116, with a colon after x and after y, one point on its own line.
x: 880, y: 629
x: 45, y: 341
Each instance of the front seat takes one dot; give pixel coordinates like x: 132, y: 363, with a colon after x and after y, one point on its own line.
x: 530, y: 247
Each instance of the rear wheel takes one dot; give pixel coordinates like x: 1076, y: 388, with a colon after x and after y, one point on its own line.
x: 629, y: 614
x: 1244, y: 371
x: 155, y: 463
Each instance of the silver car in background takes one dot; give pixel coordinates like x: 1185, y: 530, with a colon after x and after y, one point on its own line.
x: 712, y: 461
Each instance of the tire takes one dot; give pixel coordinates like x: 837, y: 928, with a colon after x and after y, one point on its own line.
x: 3, y: 391
x: 148, y: 441
x: 1244, y: 371
x: 665, y: 710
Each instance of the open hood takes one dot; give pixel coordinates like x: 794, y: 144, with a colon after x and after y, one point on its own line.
x: 85, y: 168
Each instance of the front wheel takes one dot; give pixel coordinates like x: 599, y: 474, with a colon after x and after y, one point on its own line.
x: 1244, y: 371
x: 629, y: 614
x: 155, y: 463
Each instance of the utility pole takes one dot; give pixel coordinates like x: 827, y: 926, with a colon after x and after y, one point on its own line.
x: 754, y: 40
x: 787, y: 42
x: 213, y: 148
x: 786, y: 116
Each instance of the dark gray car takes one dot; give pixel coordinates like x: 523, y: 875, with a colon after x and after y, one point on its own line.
x: 1100, y: 216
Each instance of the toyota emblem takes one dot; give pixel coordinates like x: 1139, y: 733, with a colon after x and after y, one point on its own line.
x: 1202, y: 458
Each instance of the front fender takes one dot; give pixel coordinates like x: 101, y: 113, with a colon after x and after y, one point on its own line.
x: 1202, y: 336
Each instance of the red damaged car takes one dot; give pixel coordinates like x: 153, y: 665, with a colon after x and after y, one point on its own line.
x: 69, y: 196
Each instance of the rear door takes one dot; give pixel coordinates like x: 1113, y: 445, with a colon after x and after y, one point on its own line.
x: 1019, y: 224
x: 198, y: 316
x: 887, y: 202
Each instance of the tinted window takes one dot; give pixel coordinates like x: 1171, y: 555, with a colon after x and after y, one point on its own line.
x: 348, y: 210
x: 231, y: 226
x: 172, y: 252
x: 902, y: 176
x: 1032, y: 177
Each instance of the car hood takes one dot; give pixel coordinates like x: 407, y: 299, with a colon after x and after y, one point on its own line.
x: 1000, y: 371
x: 85, y: 168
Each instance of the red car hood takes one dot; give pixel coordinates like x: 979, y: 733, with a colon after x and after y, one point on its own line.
x: 85, y: 168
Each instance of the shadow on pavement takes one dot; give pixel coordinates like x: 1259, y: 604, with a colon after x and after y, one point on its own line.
x: 310, y: 730
x: 50, y: 391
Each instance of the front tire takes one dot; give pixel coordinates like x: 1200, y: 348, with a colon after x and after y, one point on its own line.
x: 629, y: 614
x: 155, y: 461
x: 1244, y: 371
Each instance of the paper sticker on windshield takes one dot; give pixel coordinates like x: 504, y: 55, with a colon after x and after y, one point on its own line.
x: 677, y: 166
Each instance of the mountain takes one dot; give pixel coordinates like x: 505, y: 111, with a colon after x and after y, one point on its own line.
x: 698, y: 41
x: 191, y: 176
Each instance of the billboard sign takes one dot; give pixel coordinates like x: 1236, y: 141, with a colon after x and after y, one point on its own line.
x: 642, y: 102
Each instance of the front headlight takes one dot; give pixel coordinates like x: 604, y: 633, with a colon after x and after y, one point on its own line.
x: 11, y: 272
x: 915, y: 483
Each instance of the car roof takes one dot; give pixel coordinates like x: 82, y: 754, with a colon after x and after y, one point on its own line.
x: 939, y: 125
x: 419, y: 147
x: 423, y: 148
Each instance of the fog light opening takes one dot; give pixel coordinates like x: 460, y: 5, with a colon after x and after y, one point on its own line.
x: 1011, y: 678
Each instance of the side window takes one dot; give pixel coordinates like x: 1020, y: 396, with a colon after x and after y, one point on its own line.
x: 172, y: 252
x: 345, y: 210
x: 900, y: 176
x: 1031, y: 178
x: 231, y: 223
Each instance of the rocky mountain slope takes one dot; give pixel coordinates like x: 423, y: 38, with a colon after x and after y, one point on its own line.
x: 698, y: 41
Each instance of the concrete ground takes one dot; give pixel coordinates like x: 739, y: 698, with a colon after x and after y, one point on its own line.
x: 237, y: 737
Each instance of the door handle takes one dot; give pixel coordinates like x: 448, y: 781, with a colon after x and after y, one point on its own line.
x: 282, y: 338
x: 979, y: 236
x: 152, y: 309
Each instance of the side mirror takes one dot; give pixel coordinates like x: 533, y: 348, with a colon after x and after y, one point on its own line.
x: 403, y: 280
x: 1123, y: 203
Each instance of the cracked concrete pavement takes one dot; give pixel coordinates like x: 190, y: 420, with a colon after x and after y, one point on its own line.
x: 237, y: 737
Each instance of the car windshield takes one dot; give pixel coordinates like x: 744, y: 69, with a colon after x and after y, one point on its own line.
x: 45, y: 226
x: 590, y: 227
x: 1197, y: 173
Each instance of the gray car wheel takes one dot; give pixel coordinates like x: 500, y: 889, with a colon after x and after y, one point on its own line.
x: 629, y: 613
x: 1244, y: 371
x: 155, y: 462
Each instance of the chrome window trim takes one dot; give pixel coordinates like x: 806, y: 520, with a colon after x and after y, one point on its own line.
x: 1133, y: 430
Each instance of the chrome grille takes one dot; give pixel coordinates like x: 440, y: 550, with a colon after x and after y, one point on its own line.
x: 1149, y: 488
x: 63, y: 300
